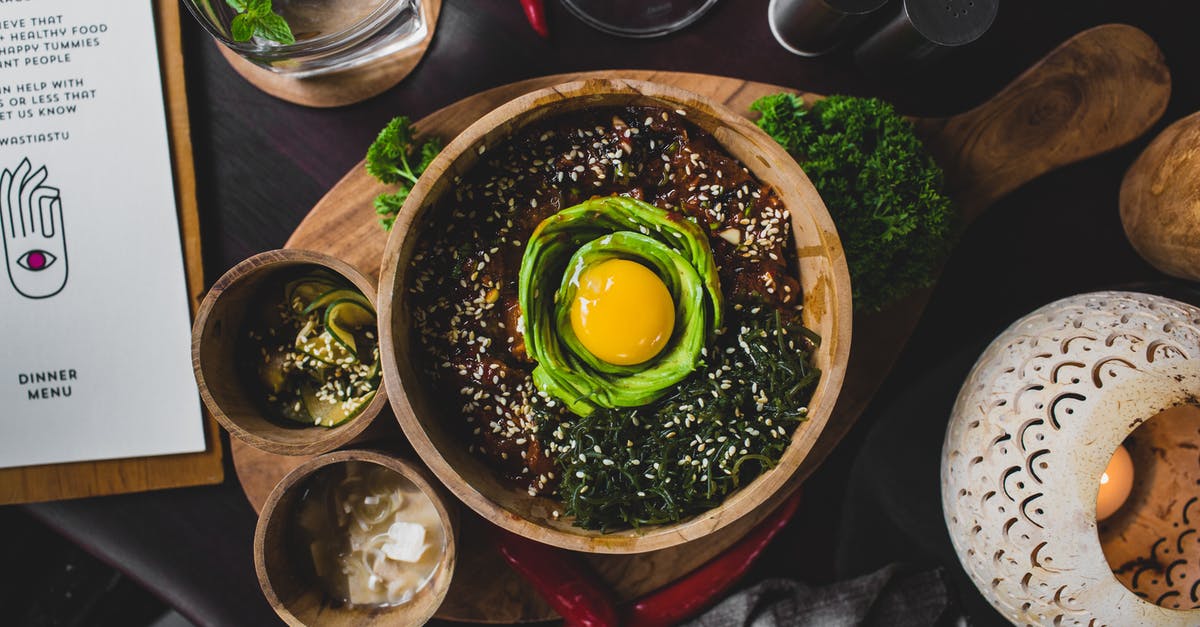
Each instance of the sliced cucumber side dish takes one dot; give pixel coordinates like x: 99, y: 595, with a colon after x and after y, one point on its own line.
x: 318, y: 356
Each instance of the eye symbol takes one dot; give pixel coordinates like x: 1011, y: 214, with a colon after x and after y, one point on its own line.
x: 36, y: 260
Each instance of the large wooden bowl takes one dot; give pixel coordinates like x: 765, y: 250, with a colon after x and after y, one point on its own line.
x: 823, y: 276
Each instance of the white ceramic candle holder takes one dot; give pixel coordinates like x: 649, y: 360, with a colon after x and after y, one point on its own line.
x: 1033, y: 429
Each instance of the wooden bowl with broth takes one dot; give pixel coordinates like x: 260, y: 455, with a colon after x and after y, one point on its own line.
x: 823, y: 278
x: 218, y: 350
x: 286, y: 574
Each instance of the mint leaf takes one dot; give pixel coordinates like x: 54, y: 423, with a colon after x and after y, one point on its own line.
x: 242, y: 27
x: 256, y: 17
x: 259, y: 8
x: 272, y: 26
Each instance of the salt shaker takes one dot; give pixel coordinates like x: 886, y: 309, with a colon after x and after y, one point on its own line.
x: 813, y: 27
x: 923, y: 29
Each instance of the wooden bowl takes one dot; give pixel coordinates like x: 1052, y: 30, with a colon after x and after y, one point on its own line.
x: 301, y: 601
x: 215, y: 337
x: 823, y: 276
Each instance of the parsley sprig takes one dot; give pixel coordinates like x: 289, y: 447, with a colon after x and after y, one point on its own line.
x: 256, y: 18
x: 881, y: 186
x: 388, y: 159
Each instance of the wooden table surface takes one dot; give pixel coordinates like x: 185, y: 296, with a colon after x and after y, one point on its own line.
x: 261, y: 164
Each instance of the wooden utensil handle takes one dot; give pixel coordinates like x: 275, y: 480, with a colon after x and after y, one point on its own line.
x: 1099, y: 90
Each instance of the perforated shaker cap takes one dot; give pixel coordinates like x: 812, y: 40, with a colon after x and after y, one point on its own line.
x: 951, y: 22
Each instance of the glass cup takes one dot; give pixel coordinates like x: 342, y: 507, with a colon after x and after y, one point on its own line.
x: 329, y: 35
x: 639, y: 18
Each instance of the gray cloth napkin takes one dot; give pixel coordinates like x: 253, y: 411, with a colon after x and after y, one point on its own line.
x: 888, y: 597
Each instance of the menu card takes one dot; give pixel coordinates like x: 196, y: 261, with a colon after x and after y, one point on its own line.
x: 95, y: 358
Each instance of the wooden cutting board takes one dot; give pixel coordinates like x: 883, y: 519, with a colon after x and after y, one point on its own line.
x: 1099, y: 90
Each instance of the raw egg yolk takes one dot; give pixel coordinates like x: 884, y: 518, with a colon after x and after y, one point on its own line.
x: 623, y: 313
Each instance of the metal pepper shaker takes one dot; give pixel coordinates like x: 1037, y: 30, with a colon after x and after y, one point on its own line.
x: 813, y: 27
x: 923, y: 29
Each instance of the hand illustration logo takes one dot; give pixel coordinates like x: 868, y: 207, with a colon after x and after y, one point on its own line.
x: 35, y: 247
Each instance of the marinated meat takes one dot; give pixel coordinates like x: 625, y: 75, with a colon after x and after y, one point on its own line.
x: 466, y: 317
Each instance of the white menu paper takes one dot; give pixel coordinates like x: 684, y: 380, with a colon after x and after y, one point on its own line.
x: 95, y: 358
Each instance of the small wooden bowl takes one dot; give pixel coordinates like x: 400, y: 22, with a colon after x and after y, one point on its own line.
x: 215, y: 338
x: 823, y: 277
x: 302, y: 602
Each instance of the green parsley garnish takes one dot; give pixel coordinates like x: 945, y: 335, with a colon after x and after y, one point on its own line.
x: 388, y: 161
x: 256, y: 18
x: 882, y: 188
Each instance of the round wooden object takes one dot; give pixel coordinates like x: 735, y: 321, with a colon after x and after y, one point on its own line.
x: 823, y: 278
x: 1033, y: 429
x: 300, y: 601
x: 1122, y: 81
x: 484, y: 589
x: 1100, y: 90
x: 215, y: 337
x: 343, y: 224
x: 1160, y: 200
x: 341, y: 88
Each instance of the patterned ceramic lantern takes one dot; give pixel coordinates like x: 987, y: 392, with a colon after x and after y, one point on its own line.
x: 1033, y: 430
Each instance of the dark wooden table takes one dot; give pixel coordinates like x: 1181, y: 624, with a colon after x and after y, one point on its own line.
x: 262, y: 164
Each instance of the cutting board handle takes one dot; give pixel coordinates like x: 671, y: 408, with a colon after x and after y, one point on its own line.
x: 1097, y: 91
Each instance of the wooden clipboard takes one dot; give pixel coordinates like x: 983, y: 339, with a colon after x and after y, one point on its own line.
x: 116, y: 476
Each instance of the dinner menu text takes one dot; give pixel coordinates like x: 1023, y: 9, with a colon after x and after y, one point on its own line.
x: 95, y: 347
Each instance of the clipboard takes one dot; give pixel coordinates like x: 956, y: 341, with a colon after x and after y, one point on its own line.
x: 118, y: 476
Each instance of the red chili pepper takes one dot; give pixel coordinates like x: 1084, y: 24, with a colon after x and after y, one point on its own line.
x: 563, y: 580
x: 686, y: 597
x: 574, y: 591
x: 535, y: 12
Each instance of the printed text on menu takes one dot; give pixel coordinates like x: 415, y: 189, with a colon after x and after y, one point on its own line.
x: 44, y: 41
x: 88, y: 234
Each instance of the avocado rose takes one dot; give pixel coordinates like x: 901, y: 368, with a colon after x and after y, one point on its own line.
x: 571, y: 243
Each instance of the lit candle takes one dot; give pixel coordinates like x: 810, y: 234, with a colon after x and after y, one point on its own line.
x: 1115, y: 484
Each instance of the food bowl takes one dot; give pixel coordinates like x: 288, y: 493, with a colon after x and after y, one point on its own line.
x: 215, y: 347
x: 823, y: 278
x: 300, y: 600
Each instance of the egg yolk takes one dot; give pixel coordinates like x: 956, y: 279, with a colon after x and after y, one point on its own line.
x: 622, y: 313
